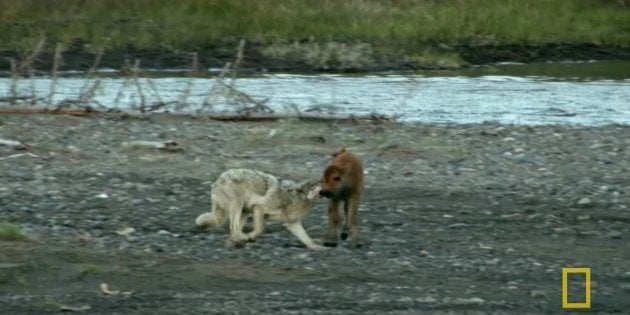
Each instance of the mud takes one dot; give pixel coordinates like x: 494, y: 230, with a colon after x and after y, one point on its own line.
x: 475, y: 219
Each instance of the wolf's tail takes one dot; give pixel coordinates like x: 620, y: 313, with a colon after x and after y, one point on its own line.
x: 215, y: 218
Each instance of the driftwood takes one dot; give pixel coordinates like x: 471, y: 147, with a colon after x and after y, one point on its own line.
x: 18, y: 155
x: 247, y: 116
x: 17, y: 145
x: 169, y: 145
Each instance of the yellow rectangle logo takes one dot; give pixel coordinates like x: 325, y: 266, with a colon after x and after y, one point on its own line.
x: 565, y: 287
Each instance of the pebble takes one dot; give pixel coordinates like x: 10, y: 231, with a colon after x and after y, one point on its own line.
x: 426, y: 299
x: 563, y: 230
x: 469, y: 301
x: 537, y: 293
x: 614, y: 235
x: 585, y: 202
x: 512, y: 216
x: 590, y: 233
x: 457, y: 225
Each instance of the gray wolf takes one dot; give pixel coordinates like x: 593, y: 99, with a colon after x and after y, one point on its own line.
x: 343, y: 182
x: 238, y: 194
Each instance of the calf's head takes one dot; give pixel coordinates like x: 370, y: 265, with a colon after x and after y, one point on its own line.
x: 334, y: 183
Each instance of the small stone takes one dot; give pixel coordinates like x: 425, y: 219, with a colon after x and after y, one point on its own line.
x: 512, y: 216
x: 426, y: 299
x: 125, y: 231
x: 483, y: 246
x: 534, y: 216
x: 537, y: 293
x: 585, y: 202
x: 457, y: 225
x: 614, y: 234
x: 584, y: 218
x: 303, y: 256
x: 469, y: 301
x: 590, y: 233
x: 102, y: 196
x: 563, y: 230
x: 128, y: 185
x: 406, y: 263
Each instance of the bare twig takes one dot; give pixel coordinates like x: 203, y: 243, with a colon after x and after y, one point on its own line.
x: 97, y: 61
x: 239, y: 59
x: 12, y: 156
x: 134, y: 75
x: 245, y: 98
x: 54, y: 73
x: 89, y: 88
x: 213, y: 90
x: 15, y: 77
x: 156, y: 93
x: 26, y: 66
x: 125, y: 83
x: 194, y: 68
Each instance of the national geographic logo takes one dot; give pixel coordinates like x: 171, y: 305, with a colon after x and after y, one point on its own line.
x: 565, y: 288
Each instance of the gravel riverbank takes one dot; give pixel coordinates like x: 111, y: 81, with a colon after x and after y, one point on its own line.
x: 477, y: 218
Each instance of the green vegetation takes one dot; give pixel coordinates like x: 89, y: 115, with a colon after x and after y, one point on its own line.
x: 88, y: 269
x: 402, y: 24
x: 10, y: 232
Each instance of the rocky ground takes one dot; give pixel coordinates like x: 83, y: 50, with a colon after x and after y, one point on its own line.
x: 475, y: 219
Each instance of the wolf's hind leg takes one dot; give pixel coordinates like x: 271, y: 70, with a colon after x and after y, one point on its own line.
x: 332, y: 234
x: 236, y: 229
x: 259, y: 223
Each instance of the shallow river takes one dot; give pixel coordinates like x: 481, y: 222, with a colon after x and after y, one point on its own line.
x: 565, y: 93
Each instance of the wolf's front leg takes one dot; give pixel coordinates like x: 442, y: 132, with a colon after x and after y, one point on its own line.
x: 297, y: 229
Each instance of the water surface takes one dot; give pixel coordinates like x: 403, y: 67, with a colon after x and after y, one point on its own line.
x: 589, y: 93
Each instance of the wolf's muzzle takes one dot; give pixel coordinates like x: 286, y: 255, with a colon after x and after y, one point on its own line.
x: 325, y: 193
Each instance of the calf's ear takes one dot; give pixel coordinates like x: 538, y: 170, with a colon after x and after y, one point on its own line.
x: 339, y: 152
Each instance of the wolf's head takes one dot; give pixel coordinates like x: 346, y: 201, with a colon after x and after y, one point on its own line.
x: 309, y: 189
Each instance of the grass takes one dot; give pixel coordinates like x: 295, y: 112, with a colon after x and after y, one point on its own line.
x: 11, y: 232
x: 404, y: 24
x: 87, y: 269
